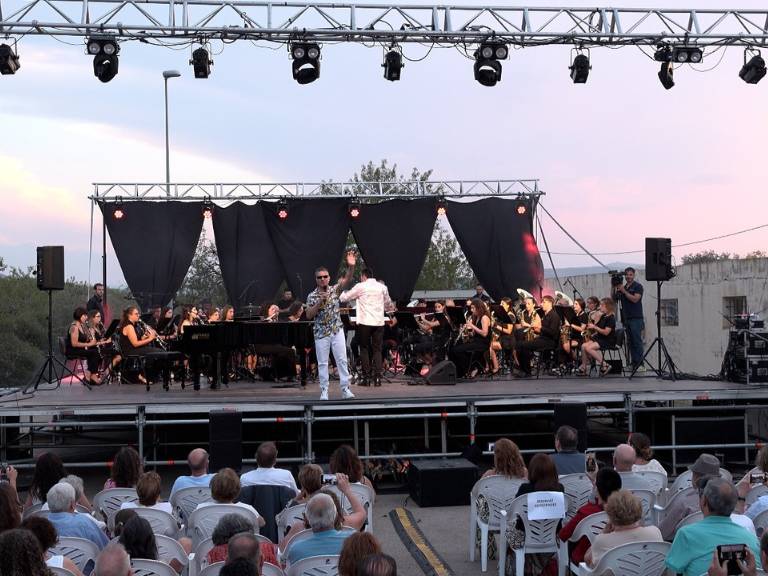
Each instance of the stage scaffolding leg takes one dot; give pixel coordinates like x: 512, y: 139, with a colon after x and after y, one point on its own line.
x: 630, y: 412
x: 140, y: 421
x: 426, y: 432
x: 444, y: 435
x: 367, y: 437
x: 472, y: 413
x: 309, y: 455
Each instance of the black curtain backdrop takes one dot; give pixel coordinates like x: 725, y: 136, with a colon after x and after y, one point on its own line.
x: 393, y: 238
x: 314, y: 234
x: 498, y: 244
x: 154, y: 243
x: 250, y: 267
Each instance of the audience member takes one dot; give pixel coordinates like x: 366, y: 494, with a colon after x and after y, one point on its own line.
x: 225, y: 487
x: 20, y: 554
x: 356, y: 548
x: 228, y: 526
x: 121, y: 519
x: 244, y: 545
x: 126, y: 469
x: 623, y: 461
x: 685, y: 504
x: 325, y: 539
x: 138, y: 539
x: 625, y: 517
x: 148, y: 489
x: 266, y: 473
x: 542, y: 476
x: 198, y: 472
x: 607, y: 482
x: 113, y: 561
x: 377, y: 565
x: 507, y: 460
x: 694, y: 545
x: 310, y: 480
x: 240, y: 567
x: 46, y: 536
x: 10, y: 514
x: 49, y: 469
x: 567, y: 458
x: 644, y: 460
x: 345, y: 460
x: 761, y: 467
x: 11, y: 474
x: 61, y: 502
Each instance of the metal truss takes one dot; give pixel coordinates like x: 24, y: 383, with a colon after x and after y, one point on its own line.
x: 283, y: 21
x: 358, y: 190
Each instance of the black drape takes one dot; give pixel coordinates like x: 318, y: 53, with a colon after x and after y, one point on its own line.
x: 251, y: 270
x: 498, y: 244
x: 393, y: 238
x: 314, y: 234
x: 154, y: 243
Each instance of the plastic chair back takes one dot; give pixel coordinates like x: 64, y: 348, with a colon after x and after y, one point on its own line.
x: 499, y: 492
x: 578, y: 488
x: 286, y: 518
x: 755, y: 493
x: 590, y: 527
x: 161, y: 522
x: 169, y: 548
x: 635, y: 559
x: 108, y: 502
x: 79, y: 550
x: 656, y: 480
x: 268, y: 569
x: 648, y: 500
x: 203, y: 520
x: 143, y: 567
x: 690, y: 519
x: 315, y: 566
x: 185, y: 500
x: 365, y: 494
x: 212, y: 570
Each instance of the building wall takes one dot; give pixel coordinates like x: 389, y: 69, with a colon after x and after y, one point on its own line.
x: 698, y: 342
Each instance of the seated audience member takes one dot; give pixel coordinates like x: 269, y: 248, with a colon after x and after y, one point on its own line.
x: 148, y: 489
x: 244, y: 545
x: 623, y: 461
x: 139, y: 541
x: 240, y: 567
x: 694, y: 545
x: 198, y: 472
x: 507, y: 461
x: 228, y: 526
x: 356, y: 548
x: 625, y: 516
x: 113, y: 561
x: 61, y: 502
x: 49, y: 469
x: 345, y: 460
x: 680, y: 507
x: 607, y: 482
x: 266, y: 473
x: 567, y: 458
x: 46, y: 536
x: 10, y: 513
x: 748, y: 566
x: 310, y: 480
x: 761, y: 467
x: 377, y: 565
x: 77, y: 483
x: 644, y: 460
x: 326, y: 539
x: 126, y: 469
x: 121, y: 519
x: 225, y: 486
x: 11, y: 474
x: 542, y: 476
x: 21, y: 555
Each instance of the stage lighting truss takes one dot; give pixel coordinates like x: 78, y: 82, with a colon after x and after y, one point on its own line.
x: 201, y: 62
x: 487, y: 65
x: 354, y: 209
x: 393, y: 63
x: 104, y: 49
x: 282, y: 209
x: 118, y: 213
x: 753, y: 70
x: 306, y: 61
x: 441, y: 207
x: 9, y: 59
x: 207, y: 209
x: 580, y: 66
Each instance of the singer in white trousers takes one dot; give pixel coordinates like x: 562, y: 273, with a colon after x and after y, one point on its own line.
x: 337, y: 345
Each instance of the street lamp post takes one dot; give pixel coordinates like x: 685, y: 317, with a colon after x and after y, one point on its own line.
x: 166, y: 75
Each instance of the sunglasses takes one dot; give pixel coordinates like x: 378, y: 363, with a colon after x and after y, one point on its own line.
x: 322, y: 277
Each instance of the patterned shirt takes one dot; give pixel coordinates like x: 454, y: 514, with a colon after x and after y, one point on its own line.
x: 328, y: 319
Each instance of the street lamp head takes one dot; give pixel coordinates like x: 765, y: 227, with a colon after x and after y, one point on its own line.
x: 171, y: 74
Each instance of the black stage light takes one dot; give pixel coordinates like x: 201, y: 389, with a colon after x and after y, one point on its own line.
x: 201, y: 63
x: 9, y: 60
x: 207, y: 209
x: 580, y: 68
x: 104, y: 49
x: 441, y: 208
x: 306, y: 62
x: 282, y: 210
x: 487, y: 65
x: 687, y: 54
x: 521, y: 207
x: 754, y: 70
x: 666, y: 76
x: 354, y: 209
x: 393, y: 64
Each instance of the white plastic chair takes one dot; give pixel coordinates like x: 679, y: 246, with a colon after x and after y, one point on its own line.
x: 268, y: 569
x: 684, y: 480
x: 161, y: 522
x: 203, y: 520
x: 540, y: 537
x: 60, y: 571
x: 286, y: 518
x: 660, y: 512
x: 656, y: 480
x: 499, y: 492
x: 588, y: 528
x: 690, y: 519
x: 755, y: 493
x: 185, y: 500
x: 648, y: 501
x: 315, y: 566
x: 761, y: 523
x: 635, y: 559
x: 634, y: 481
x: 198, y: 560
x: 365, y: 494
x: 32, y: 510
x: 212, y: 569
x: 168, y: 549
x: 578, y: 488
x: 79, y: 550
x: 298, y: 537
x: 108, y: 502
x: 143, y: 567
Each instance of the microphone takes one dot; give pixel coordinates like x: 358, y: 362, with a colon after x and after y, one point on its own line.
x: 301, y: 285
x: 242, y: 294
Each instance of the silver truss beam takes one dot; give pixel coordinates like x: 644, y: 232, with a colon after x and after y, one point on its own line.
x: 232, y: 192
x: 283, y: 21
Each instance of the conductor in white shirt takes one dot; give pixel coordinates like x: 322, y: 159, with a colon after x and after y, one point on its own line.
x: 372, y: 301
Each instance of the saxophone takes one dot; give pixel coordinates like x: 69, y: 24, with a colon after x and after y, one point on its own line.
x: 592, y: 318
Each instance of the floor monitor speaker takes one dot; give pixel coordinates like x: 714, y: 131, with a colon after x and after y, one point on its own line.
x: 442, y: 374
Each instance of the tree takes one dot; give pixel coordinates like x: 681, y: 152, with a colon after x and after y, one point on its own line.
x: 707, y: 256
x: 756, y: 254
x: 445, y: 266
x: 203, y: 279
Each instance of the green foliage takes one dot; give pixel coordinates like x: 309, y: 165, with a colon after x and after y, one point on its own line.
x: 707, y: 256
x: 203, y: 280
x: 445, y: 266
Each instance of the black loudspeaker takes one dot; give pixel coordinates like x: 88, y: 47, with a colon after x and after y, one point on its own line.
x: 50, y: 267
x: 658, y: 259
x: 225, y: 440
x: 442, y: 374
x: 441, y: 482
x: 573, y: 414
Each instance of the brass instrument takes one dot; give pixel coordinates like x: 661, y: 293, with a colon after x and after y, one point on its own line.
x: 592, y: 318
x: 563, y: 296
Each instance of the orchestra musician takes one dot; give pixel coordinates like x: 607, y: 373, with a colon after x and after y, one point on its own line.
x: 136, y: 340
x: 436, y: 331
x: 503, y: 335
x: 229, y: 314
x: 604, y: 337
x: 572, y: 342
x: 82, y: 344
x: 547, y: 335
x: 215, y: 315
x: 477, y: 330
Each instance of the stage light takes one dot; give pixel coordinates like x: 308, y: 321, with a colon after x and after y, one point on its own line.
x: 521, y: 207
x: 104, y: 49
x: 306, y: 62
x: 354, y: 209
x: 117, y: 212
x: 282, y: 210
x: 441, y: 207
x: 687, y: 54
x: 201, y: 63
x: 754, y: 70
x: 393, y: 64
x: 207, y: 209
x: 9, y: 60
x: 580, y: 68
x: 487, y: 66
x: 666, y: 75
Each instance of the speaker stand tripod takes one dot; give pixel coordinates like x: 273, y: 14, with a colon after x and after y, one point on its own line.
x: 665, y: 367
x: 51, y: 362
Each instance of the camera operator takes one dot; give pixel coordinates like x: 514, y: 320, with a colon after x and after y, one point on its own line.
x: 631, y: 297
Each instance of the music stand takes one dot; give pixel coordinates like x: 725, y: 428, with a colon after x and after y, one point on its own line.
x: 566, y: 313
x: 501, y: 315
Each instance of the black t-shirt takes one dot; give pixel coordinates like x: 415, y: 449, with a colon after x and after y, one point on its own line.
x: 443, y: 331
x: 632, y: 310
x: 550, y: 326
x: 607, y: 321
x: 285, y: 303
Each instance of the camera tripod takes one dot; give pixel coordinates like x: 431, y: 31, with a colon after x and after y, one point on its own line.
x: 665, y: 367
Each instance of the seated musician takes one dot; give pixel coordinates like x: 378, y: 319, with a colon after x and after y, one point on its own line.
x: 82, y: 344
x: 136, y: 340
x: 503, y: 336
x: 215, y: 315
x: 528, y: 322
x: 189, y: 317
x: 547, y: 335
x: 228, y: 315
x: 574, y: 340
x: 477, y: 334
x: 604, y: 337
x: 96, y: 327
x: 437, y: 332
x: 295, y: 310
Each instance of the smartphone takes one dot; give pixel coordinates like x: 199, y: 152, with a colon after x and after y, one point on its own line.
x: 591, y: 463
x: 730, y: 553
x: 329, y: 479
x: 757, y: 478
x: 491, y: 446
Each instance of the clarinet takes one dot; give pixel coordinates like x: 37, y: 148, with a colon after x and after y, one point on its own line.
x: 146, y: 329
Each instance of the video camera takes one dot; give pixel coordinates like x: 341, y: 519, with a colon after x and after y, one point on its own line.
x: 617, y: 277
